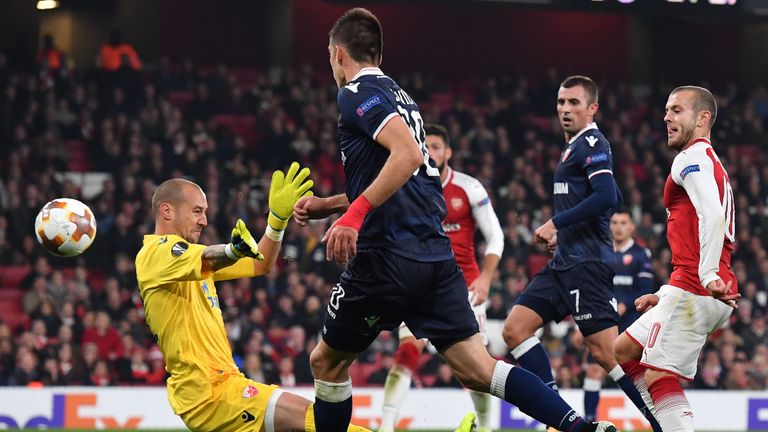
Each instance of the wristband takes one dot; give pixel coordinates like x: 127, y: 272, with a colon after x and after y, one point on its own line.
x: 356, y: 213
x: 229, y: 250
x: 273, y: 234
x: 276, y: 222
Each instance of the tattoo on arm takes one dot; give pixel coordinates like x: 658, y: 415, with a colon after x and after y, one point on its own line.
x: 216, y: 258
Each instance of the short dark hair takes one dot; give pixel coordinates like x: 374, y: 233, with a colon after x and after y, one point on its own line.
x: 586, y: 82
x: 624, y: 210
x: 438, y: 130
x: 703, y: 100
x: 359, y: 31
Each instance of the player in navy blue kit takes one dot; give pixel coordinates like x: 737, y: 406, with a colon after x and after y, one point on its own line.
x: 578, y: 280
x: 634, y: 278
x: 400, y: 266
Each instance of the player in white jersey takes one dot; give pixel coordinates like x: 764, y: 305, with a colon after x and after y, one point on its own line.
x: 468, y: 208
x: 663, y: 346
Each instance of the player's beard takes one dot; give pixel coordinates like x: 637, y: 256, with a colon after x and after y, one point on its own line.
x: 684, y: 136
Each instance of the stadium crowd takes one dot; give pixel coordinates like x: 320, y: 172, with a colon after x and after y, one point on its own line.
x: 81, y: 322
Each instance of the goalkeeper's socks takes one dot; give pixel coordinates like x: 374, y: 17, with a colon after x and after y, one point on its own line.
x: 333, y: 406
x: 526, y: 391
x: 531, y: 355
x: 625, y: 383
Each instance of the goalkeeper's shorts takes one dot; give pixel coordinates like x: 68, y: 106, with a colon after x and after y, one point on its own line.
x: 237, y: 404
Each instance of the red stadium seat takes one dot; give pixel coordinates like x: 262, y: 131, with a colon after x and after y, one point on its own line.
x: 245, y: 126
x: 79, y: 160
x: 180, y: 98
x: 11, y: 276
x: 11, y: 311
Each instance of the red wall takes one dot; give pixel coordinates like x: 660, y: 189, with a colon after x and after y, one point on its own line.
x: 460, y: 39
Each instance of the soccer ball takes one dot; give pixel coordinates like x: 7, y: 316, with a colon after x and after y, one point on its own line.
x: 65, y: 227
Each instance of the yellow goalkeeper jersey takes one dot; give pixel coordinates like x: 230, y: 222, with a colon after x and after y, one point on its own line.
x: 182, y: 310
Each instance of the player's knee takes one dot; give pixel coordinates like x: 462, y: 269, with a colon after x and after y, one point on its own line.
x: 407, y: 355
x: 322, y: 365
x: 624, y: 349
x: 514, y: 334
x: 472, y: 379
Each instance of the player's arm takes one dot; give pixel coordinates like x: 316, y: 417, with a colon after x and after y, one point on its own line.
x: 404, y: 158
x: 285, y: 191
x: 605, y: 194
x: 312, y: 207
x: 371, y: 112
x: 488, y: 223
x: 695, y: 173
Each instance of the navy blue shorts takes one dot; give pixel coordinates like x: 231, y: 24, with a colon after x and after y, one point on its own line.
x: 379, y: 290
x: 584, y: 291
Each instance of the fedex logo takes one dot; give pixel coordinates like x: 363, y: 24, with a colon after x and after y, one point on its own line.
x: 65, y: 413
x: 362, y: 404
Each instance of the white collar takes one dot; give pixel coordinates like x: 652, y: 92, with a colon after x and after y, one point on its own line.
x: 448, y: 177
x: 367, y: 71
x: 592, y: 125
x: 626, y: 248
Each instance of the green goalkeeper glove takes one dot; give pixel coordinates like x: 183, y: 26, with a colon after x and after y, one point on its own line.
x: 284, y: 192
x: 243, y: 244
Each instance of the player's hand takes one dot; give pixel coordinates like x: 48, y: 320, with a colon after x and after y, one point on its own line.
x: 621, y: 309
x: 284, y: 192
x: 552, y: 244
x: 545, y: 233
x: 310, y: 207
x: 644, y: 303
x: 243, y: 244
x: 478, y: 290
x: 720, y: 290
x: 340, y: 243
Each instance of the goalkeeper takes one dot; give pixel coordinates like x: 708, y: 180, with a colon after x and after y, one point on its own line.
x: 176, y: 280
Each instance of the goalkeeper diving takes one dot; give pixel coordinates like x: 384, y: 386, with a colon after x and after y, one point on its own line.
x: 176, y: 279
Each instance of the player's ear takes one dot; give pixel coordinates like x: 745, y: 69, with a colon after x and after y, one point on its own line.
x: 704, y: 117
x: 448, y: 154
x: 165, y: 211
x: 593, y: 108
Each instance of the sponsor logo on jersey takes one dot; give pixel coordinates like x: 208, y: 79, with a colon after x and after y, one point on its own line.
x: 353, y: 87
x: 615, y: 304
x: 457, y: 203
x: 372, y: 320
x: 179, y: 248
x: 249, y: 392
x: 451, y: 227
x: 368, y: 104
x: 582, y: 317
x: 163, y: 240
x: 247, y: 417
x: 591, y: 140
x: 483, y: 202
x: 689, y: 169
x: 627, y: 259
x: 561, y: 188
x: 623, y: 280
x: 595, y: 158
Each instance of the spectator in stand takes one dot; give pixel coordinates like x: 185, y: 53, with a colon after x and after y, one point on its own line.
x: 104, y: 337
x: 117, y: 53
x: 50, y: 57
x: 379, y: 376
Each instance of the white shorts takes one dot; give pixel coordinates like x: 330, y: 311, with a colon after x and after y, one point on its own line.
x: 480, y: 315
x: 673, y: 333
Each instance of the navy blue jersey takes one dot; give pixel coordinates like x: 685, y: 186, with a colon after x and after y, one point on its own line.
x: 409, y: 222
x: 588, y: 154
x: 634, y: 277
